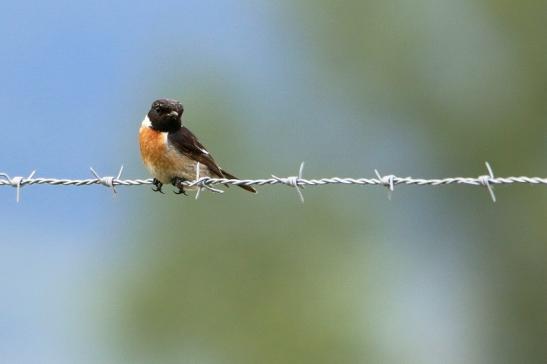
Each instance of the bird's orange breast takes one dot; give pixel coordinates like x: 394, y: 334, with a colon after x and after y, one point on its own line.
x: 155, y: 155
x: 153, y: 147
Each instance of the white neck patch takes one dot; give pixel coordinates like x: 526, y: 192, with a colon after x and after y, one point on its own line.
x: 146, y: 122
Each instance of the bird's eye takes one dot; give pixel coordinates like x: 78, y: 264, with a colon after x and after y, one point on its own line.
x: 158, y: 109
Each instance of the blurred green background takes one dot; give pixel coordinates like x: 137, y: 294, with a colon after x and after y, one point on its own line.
x: 422, y: 88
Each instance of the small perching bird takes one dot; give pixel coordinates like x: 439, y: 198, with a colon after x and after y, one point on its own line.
x: 171, y: 152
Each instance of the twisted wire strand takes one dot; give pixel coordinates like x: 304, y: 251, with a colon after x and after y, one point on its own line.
x: 298, y: 182
x: 207, y: 181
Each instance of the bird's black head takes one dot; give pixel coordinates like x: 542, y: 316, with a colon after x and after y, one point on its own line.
x: 165, y: 115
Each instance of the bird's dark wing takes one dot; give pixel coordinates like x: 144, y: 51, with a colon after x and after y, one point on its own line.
x: 186, y: 143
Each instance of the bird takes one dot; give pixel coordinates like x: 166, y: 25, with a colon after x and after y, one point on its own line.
x: 171, y: 152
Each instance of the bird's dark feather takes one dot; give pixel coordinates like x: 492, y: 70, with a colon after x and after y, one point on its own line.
x: 186, y: 143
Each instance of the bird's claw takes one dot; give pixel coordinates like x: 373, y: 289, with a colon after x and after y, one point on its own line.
x: 177, y: 182
x: 158, y: 185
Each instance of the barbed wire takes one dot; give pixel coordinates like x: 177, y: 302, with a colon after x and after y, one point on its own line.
x: 298, y: 182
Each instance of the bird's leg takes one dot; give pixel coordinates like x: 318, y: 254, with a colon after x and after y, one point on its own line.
x: 177, y: 182
x: 156, y: 182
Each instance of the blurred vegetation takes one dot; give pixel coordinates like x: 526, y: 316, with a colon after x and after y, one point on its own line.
x: 262, y: 279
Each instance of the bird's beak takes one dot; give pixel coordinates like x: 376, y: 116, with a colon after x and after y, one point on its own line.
x: 173, y: 114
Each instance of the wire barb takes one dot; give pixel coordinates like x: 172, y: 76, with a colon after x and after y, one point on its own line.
x: 486, y: 179
x: 17, y: 182
x: 387, y: 181
x: 293, y: 181
x: 197, y: 179
x: 108, y: 181
x: 202, y: 182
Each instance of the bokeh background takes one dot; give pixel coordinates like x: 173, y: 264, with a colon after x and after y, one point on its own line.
x: 422, y: 88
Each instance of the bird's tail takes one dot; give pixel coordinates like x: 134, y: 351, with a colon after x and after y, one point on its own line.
x: 231, y: 176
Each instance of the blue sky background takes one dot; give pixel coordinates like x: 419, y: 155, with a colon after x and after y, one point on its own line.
x: 432, y: 90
